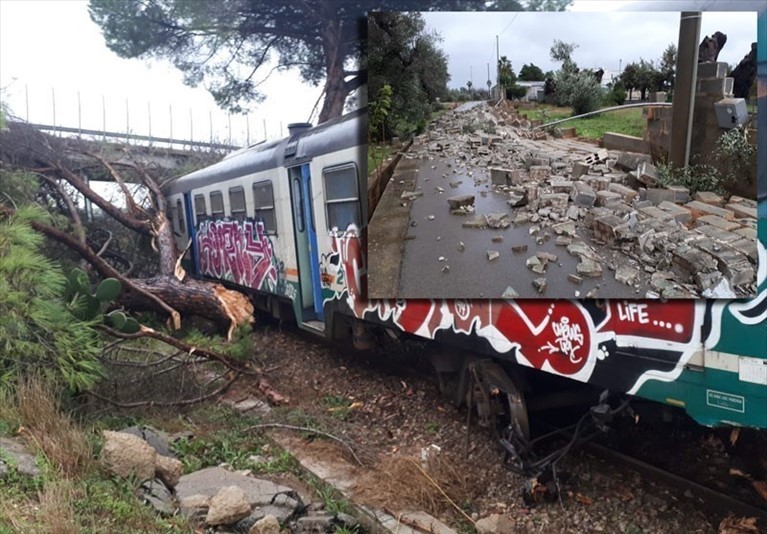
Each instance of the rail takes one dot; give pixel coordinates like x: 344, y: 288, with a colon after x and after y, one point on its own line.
x: 604, y: 110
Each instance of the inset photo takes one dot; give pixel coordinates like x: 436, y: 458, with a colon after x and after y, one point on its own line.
x: 515, y: 155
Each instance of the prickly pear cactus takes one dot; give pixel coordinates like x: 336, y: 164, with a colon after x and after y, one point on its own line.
x: 89, y: 306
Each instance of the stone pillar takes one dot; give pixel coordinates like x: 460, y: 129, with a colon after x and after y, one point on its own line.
x: 684, y: 92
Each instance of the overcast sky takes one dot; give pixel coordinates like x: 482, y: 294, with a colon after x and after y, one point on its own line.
x: 53, y: 45
x: 607, y: 40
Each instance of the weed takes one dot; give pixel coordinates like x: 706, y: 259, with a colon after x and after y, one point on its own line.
x: 695, y: 177
x: 432, y: 427
x: 346, y: 530
x: 230, y: 447
x: 338, y: 406
x: 282, y: 463
x: 57, y: 513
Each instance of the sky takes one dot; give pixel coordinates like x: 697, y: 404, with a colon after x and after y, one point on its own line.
x: 51, y: 52
x: 606, y: 40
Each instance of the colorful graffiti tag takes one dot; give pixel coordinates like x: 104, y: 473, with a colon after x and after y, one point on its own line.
x: 582, y: 340
x: 240, y: 252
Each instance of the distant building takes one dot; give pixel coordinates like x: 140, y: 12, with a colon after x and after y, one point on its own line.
x: 534, y: 90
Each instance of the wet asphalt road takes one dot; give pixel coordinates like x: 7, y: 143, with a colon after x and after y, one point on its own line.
x: 471, y: 274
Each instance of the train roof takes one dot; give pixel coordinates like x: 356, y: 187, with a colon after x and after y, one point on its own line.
x: 344, y: 132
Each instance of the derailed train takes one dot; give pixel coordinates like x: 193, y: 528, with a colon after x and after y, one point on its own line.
x: 285, y: 221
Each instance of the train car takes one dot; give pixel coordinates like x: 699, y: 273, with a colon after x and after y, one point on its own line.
x: 285, y: 222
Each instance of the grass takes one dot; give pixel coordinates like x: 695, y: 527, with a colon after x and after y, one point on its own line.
x: 377, y: 154
x: 624, y: 121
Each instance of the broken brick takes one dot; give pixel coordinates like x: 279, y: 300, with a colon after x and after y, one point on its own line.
x: 582, y: 195
x: 679, y: 213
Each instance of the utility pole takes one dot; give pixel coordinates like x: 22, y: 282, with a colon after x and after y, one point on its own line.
x: 684, y: 95
x: 471, y: 79
x: 498, y: 66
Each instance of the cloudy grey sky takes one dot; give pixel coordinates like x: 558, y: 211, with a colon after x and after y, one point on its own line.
x: 606, y: 40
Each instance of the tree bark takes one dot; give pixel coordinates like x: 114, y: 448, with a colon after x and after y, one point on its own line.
x: 335, y: 86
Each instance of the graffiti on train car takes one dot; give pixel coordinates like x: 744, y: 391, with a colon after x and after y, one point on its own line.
x: 240, y: 252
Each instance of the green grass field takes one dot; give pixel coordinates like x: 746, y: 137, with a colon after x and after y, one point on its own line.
x: 377, y: 154
x: 625, y: 121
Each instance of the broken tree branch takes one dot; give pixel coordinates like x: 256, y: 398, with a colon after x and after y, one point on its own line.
x: 307, y: 429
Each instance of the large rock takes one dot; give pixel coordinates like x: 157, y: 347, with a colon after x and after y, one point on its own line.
x: 496, y: 524
x: 195, y: 490
x: 21, y: 457
x: 462, y: 200
x: 158, y: 496
x: 127, y: 455
x: 156, y: 438
x: 228, y: 506
x: 266, y: 525
x: 169, y: 470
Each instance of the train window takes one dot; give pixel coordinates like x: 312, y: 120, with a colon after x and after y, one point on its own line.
x: 237, y: 203
x: 216, y: 204
x: 180, y: 213
x: 342, y: 199
x: 263, y: 201
x: 200, y: 209
x: 172, y: 217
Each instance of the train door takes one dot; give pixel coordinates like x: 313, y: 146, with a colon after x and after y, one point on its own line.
x: 307, y: 254
x: 192, y: 233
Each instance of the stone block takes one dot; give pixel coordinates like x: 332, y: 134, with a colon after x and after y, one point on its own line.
x: 597, y: 183
x: 655, y: 213
x: 699, y: 209
x: 680, y: 214
x: 724, y: 224
x: 747, y: 247
x: 717, y: 233
x: 681, y: 193
x: 607, y: 228
x: 557, y: 201
x: 582, y: 195
x: 712, y: 69
x: 533, y: 161
x: 561, y: 186
x: 656, y: 195
x: 707, y: 197
x: 628, y: 143
x: 732, y: 264
x: 459, y: 201
x: 626, y: 193
x: 711, y: 86
x: 579, y: 169
x: 742, y: 211
x: 629, y: 161
x: 748, y: 233
x: 647, y: 174
x: 688, y: 261
x: 503, y: 176
x: 596, y: 157
x: 594, y: 213
x: 567, y: 133
x: 605, y: 198
x: 539, y: 172
x: 617, y: 177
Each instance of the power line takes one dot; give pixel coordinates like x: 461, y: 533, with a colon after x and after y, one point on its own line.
x: 509, y: 24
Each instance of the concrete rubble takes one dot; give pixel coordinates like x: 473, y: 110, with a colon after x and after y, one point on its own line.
x: 663, y: 242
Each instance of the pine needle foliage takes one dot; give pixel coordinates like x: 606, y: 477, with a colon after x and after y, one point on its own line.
x: 38, y: 333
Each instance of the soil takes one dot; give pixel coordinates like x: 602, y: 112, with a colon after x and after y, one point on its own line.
x: 386, y: 404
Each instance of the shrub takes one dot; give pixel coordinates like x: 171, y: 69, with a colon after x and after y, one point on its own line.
x: 579, y: 90
x: 618, y: 94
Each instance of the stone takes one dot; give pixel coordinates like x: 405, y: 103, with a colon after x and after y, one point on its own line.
x: 20, y: 455
x: 156, y: 494
x: 561, y: 186
x: 626, y: 274
x: 532, y: 161
x: 724, y: 224
x: 699, y: 209
x: 228, y: 506
x: 517, y: 199
x: 540, y: 284
x: 477, y: 222
x: 497, y: 239
x: 680, y: 214
x: 546, y: 256
x: 539, y: 172
x: 535, y: 264
x: 747, y: 247
x: 157, y: 439
x: 732, y: 264
x: 510, y: 293
x: 460, y: 201
x: 582, y: 195
x: 594, y: 293
x: 496, y: 524
x: 497, y: 220
x: 707, y: 197
x: 742, y: 211
x: 647, y: 174
x: 589, y: 268
x: 195, y: 490
x: 656, y: 195
x: 597, y: 183
x: 712, y: 69
x: 411, y: 195
x: 579, y: 169
x: 574, y: 278
x: 557, y: 201
x: 572, y: 213
x: 522, y: 218
x: 127, y: 455
x: 606, y: 228
x: 314, y: 523
x: 748, y: 233
x: 681, y: 193
x: 688, y: 261
x: 596, y: 157
x: 717, y: 233
x: 605, y: 198
x: 502, y: 176
x: 655, y: 213
x: 169, y: 470
x: 266, y: 525
x: 626, y: 193
x: 630, y: 161
x: 563, y: 241
x: 492, y: 255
